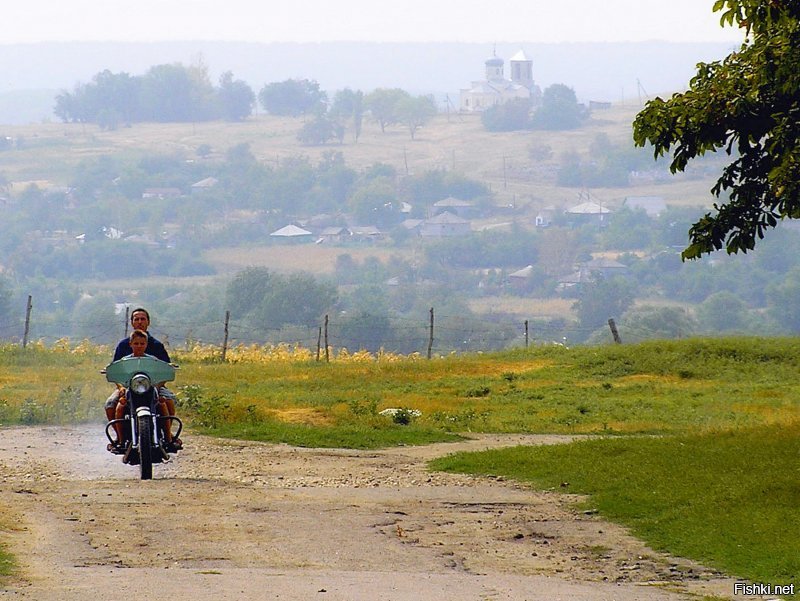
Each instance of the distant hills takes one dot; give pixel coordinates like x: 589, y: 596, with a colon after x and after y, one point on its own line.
x: 632, y: 71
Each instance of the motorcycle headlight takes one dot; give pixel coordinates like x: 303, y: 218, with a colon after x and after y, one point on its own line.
x: 140, y: 383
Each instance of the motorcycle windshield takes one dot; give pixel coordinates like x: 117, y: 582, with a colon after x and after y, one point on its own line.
x: 120, y: 372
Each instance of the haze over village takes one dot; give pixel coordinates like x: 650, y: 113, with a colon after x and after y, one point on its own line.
x: 487, y: 172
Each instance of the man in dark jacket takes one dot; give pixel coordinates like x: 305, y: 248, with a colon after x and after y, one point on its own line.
x: 140, y: 320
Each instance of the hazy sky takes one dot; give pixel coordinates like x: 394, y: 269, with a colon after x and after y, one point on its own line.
x: 363, y: 20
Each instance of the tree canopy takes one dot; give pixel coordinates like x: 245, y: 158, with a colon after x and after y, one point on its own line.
x: 559, y: 110
x: 747, y: 105
x: 293, y: 97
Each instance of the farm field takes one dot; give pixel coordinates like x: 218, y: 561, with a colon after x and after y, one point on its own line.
x: 316, y: 259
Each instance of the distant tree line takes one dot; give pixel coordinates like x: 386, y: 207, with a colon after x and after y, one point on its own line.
x: 177, y: 93
x: 165, y: 93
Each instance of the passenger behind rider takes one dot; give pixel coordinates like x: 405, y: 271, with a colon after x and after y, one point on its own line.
x: 140, y: 320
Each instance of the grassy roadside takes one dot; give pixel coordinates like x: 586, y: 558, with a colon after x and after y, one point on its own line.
x: 725, y: 498
x: 282, y: 394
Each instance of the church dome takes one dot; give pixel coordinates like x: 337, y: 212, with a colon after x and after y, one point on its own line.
x: 494, y: 61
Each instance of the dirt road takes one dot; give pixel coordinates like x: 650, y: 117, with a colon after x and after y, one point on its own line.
x: 236, y: 520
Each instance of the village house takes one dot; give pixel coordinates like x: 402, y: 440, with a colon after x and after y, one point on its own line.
x: 588, y: 212
x: 333, y: 234
x: 366, y: 233
x: 204, y: 185
x: 545, y: 217
x: 443, y: 225
x: 291, y: 232
x: 521, y: 279
x: 461, y: 208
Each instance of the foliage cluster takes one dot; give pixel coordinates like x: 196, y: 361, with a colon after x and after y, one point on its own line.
x: 606, y: 165
x: 745, y: 105
x: 274, y: 300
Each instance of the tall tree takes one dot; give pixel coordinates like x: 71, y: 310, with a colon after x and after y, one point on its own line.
x: 167, y: 94
x: 236, y: 97
x: 559, y: 110
x: 416, y: 112
x: 383, y: 104
x: 747, y: 104
x: 602, y: 298
x: 348, y: 104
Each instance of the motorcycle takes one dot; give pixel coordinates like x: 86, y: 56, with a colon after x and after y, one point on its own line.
x: 143, y: 430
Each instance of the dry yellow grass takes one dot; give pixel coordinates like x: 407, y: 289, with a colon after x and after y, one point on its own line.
x: 319, y: 260
x: 524, y: 307
x: 308, y: 416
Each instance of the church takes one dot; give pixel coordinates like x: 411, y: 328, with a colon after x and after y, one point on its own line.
x: 496, y: 89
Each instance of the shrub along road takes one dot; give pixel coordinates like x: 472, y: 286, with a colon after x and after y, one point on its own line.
x: 236, y: 520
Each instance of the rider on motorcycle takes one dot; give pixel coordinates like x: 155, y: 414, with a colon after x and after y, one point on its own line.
x: 140, y: 320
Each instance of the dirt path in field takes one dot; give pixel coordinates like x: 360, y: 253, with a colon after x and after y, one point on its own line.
x: 236, y: 520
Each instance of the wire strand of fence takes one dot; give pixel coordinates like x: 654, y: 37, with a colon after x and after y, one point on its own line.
x: 390, y: 332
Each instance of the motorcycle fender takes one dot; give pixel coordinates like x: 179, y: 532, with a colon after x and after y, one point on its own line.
x: 143, y: 412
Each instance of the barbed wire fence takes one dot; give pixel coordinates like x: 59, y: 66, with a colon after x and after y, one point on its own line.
x: 430, y: 335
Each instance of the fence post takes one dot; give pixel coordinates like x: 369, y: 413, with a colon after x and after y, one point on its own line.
x: 526, y: 333
x: 127, y: 319
x: 225, y: 339
x: 319, y: 342
x: 614, y: 332
x: 327, y: 352
x: 27, y: 321
x: 430, y: 337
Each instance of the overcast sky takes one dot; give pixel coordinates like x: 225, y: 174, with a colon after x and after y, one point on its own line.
x: 362, y: 20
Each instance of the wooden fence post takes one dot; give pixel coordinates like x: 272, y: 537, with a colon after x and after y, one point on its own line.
x: 526, y: 333
x: 327, y: 352
x: 614, y: 332
x: 430, y: 336
x: 225, y: 339
x: 127, y: 319
x: 27, y: 321
x: 319, y: 342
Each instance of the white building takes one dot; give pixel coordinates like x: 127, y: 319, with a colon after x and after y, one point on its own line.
x: 496, y: 89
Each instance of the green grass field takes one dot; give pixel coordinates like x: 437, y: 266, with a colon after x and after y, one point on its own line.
x: 696, y: 446
x: 727, y: 499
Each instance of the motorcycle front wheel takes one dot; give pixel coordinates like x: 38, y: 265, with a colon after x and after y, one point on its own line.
x: 145, y: 447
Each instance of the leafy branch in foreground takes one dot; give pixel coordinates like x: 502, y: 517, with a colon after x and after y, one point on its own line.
x: 747, y: 104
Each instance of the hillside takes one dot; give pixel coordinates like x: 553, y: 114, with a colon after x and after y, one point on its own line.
x: 450, y: 142
x: 521, y: 170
